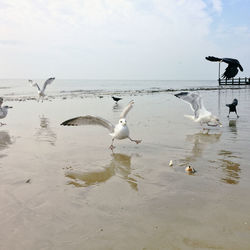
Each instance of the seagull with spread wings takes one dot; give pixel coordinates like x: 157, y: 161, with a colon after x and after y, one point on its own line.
x: 120, y: 131
x: 201, y: 114
x: 41, y: 92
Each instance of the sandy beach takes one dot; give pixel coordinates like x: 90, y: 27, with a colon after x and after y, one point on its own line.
x: 62, y: 188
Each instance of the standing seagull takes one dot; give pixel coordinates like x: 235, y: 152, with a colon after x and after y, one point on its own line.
x: 120, y: 131
x: 232, y: 68
x: 232, y: 107
x: 41, y: 93
x: 116, y: 99
x: 3, y: 111
x: 201, y: 115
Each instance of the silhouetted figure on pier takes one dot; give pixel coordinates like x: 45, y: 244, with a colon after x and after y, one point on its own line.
x: 232, y: 107
x: 232, y: 68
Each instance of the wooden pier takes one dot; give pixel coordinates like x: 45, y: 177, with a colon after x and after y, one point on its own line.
x: 234, y: 81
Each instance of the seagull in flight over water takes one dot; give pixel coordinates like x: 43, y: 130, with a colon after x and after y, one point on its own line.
x: 120, y: 131
x: 3, y: 111
x: 41, y: 93
x: 201, y: 115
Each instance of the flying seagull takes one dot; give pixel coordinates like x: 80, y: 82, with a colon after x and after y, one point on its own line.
x: 232, y: 107
x: 41, y: 93
x: 201, y: 115
x: 232, y: 68
x: 3, y: 111
x: 116, y: 99
x: 120, y: 131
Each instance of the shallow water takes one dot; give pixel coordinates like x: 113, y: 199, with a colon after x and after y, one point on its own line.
x: 62, y: 188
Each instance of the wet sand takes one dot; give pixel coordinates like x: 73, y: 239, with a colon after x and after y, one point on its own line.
x: 62, y: 188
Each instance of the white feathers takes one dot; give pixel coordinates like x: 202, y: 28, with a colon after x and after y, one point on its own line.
x: 201, y: 114
x: 119, y: 131
x: 41, y: 93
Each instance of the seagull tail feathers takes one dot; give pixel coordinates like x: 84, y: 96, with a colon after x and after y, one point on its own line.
x: 190, y: 117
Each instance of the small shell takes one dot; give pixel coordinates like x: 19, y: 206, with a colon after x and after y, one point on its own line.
x: 190, y: 170
x: 170, y: 163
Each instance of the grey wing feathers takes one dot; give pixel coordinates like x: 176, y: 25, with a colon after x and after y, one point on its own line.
x: 48, y: 81
x: 34, y: 84
x: 89, y: 120
x: 127, y: 109
x: 193, y: 99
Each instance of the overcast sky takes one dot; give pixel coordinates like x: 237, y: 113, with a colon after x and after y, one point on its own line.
x: 122, y: 39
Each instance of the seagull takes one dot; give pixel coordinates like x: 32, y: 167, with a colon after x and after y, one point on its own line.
x: 3, y: 111
x: 201, y: 115
x: 232, y: 107
x: 41, y: 93
x: 116, y: 99
x: 232, y: 68
x: 120, y: 131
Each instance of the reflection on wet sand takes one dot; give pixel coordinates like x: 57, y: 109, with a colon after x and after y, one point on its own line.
x: 230, y: 168
x: 232, y: 125
x: 120, y: 165
x: 5, y: 141
x: 45, y: 133
x: 200, y: 141
x: 117, y: 108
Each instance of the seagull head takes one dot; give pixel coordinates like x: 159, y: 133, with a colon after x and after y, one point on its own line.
x: 123, y: 122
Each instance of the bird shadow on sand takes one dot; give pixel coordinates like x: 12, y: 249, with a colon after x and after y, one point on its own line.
x: 120, y: 165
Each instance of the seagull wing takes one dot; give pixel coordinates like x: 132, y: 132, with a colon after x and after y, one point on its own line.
x: 48, y: 81
x: 34, y: 84
x: 196, y: 103
x: 126, y: 109
x: 89, y: 120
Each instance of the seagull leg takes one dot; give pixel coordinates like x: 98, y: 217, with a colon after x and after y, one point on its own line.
x: 228, y: 114
x: 112, y: 146
x: 236, y: 113
x: 136, y: 141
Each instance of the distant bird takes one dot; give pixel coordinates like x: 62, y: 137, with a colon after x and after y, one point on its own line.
x: 232, y: 107
x: 116, y: 99
x: 3, y: 111
x: 119, y: 131
x: 232, y: 68
x: 41, y: 93
x: 201, y: 115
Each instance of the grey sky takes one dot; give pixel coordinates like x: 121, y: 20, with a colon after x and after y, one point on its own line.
x: 121, y: 39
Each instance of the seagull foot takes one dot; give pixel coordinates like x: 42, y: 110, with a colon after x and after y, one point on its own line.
x: 111, y: 147
x: 2, y: 124
x: 238, y: 116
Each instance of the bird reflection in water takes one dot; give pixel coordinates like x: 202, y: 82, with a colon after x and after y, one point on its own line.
x: 120, y: 165
x: 200, y: 141
x: 230, y: 168
x: 232, y: 125
x: 5, y: 141
x: 117, y: 108
x: 45, y: 133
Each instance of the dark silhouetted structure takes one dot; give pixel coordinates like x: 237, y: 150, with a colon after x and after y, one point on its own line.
x: 232, y: 107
